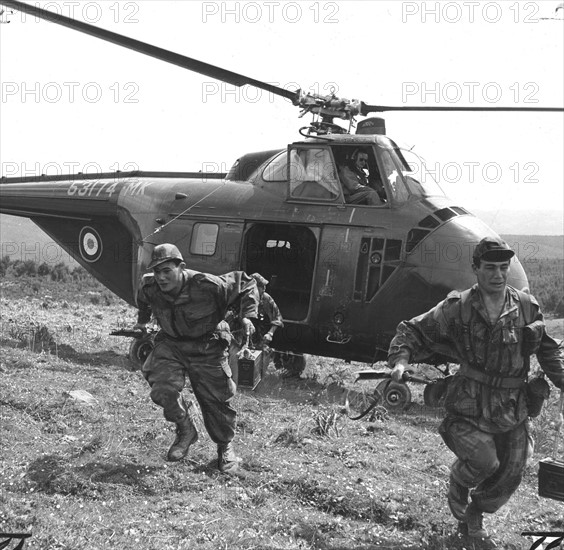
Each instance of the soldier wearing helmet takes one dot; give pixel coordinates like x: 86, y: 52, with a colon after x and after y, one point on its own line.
x: 193, y: 340
x: 269, y: 319
x: 491, y: 330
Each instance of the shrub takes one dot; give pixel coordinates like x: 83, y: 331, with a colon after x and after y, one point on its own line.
x: 20, y: 269
x: 60, y: 273
x: 44, y: 269
x: 4, y: 265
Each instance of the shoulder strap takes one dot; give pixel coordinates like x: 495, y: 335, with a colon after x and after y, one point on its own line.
x: 465, y: 314
x: 527, y: 309
x: 526, y: 306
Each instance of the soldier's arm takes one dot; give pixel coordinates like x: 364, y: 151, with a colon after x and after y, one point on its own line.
x: 274, y: 314
x: 144, y: 311
x: 348, y: 179
x: 240, y: 287
x: 549, y: 352
x: 551, y: 359
x: 424, y: 335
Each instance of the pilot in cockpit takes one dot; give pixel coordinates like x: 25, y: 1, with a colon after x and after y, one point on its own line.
x: 354, y: 176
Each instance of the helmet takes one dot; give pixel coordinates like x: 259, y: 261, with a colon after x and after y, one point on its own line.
x: 261, y: 281
x: 164, y: 253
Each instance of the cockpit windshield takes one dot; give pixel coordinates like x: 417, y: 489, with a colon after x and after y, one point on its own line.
x: 418, y: 178
x: 406, y: 174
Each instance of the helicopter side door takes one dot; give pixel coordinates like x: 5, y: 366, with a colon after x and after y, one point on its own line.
x: 354, y: 264
x: 285, y: 254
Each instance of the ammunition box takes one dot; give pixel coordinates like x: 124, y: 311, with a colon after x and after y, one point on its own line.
x: 551, y: 479
x: 250, y: 368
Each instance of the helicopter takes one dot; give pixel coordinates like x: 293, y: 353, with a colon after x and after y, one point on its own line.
x: 343, y: 273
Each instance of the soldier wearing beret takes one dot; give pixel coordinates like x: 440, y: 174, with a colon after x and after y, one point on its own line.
x: 491, y: 330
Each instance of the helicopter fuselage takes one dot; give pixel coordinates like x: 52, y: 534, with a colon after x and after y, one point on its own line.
x: 344, y: 275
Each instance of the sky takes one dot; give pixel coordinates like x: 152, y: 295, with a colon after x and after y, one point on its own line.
x: 72, y: 103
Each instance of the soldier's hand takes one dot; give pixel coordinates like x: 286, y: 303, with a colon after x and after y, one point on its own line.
x: 397, y: 372
x: 267, y: 339
x: 140, y: 326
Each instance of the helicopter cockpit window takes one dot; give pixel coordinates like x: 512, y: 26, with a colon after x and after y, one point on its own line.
x: 419, y: 180
x: 360, y: 176
x: 313, y: 174
x: 277, y: 169
x: 394, y: 177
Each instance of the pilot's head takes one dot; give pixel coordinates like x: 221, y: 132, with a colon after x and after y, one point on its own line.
x: 360, y: 159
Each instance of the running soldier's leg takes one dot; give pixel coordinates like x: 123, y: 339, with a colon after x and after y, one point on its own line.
x: 476, y: 452
x: 495, y: 491
x: 213, y: 387
x: 164, y: 370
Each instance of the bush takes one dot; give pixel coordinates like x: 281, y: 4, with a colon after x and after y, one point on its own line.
x: 44, y: 269
x: 4, y: 265
x: 60, y: 273
x: 20, y: 269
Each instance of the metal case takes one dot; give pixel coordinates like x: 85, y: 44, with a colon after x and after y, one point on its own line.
x: 551, y: 479
x: 250, y: 368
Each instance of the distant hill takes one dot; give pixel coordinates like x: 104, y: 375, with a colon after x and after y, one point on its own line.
x: 523, y: 222
x: 21, y: 239
x: 533, y: 247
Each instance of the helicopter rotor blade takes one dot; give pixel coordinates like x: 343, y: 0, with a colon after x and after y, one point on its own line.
x: 365, y: 108
x: 185, y: 62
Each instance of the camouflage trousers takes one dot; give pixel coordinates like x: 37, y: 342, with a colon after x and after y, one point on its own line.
x: 205, y: 364
x: 492, y: 464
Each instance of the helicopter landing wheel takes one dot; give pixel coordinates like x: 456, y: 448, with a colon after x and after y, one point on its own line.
x: 292, y: 364
x: 139, y: 350
x: 395, y: 396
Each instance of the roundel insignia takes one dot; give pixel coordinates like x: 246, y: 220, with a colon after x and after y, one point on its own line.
x: 90, y: 244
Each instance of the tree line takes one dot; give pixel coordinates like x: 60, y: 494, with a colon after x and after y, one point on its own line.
x: 30, y: 268
x: 546, y: 277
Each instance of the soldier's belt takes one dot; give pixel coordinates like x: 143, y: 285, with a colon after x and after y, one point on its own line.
x: 186, y: 338
x: 503, y: 382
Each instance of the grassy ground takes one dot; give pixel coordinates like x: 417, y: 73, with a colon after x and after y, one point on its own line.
x: 81, y: 475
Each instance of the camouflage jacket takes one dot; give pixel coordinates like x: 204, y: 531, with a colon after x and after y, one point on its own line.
x: 496, y: 351
x: 200, y: 306
x: 268, y: 313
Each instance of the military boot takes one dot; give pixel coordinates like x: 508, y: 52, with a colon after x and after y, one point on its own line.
x: 457, y: 499
x: 227, y: 461
x: 473, y: 519
x: 186, y: 435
